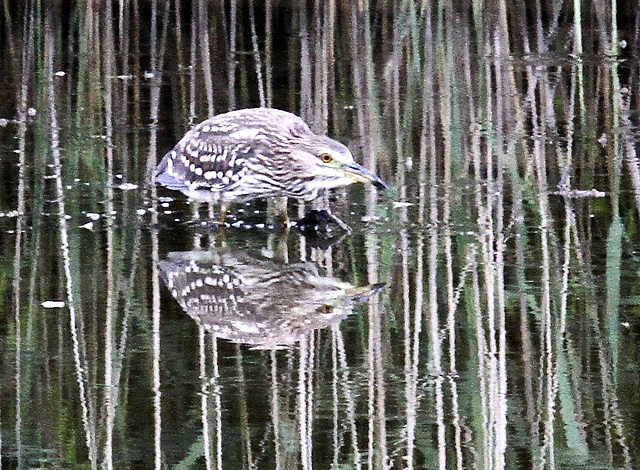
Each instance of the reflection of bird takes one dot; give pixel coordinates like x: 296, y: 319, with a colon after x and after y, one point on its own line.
x: 257, y: 153
x: 256, y: 301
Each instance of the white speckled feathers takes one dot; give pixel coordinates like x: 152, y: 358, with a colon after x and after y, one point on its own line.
x: 258, y: 153
x: 213, y: 160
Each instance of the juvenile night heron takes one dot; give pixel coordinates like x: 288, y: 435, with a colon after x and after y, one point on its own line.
x: 258, y: 153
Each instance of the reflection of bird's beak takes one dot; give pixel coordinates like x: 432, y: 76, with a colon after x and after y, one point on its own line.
x: 362, y: 175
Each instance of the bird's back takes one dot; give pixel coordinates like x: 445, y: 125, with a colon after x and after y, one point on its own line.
x: 210, y: 161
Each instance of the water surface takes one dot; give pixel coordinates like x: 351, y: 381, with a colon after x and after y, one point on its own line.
x: 483, y: 314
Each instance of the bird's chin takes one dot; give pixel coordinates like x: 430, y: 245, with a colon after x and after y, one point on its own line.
x: 335, y: 183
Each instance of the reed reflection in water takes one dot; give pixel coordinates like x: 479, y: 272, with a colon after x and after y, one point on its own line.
x: 507, y: 332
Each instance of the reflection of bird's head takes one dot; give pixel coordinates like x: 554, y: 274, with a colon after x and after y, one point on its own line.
x: 261, y: 152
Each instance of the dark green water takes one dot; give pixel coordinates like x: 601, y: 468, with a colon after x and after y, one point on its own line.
x: 483, y: 314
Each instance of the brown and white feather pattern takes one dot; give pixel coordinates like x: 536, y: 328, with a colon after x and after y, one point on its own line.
x: 220, y: 157
x: 258, y: 153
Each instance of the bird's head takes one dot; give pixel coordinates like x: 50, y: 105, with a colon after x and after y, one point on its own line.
x: 327, y: 163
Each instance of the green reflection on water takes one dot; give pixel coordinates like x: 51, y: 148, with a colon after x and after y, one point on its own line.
x: 506, y: 335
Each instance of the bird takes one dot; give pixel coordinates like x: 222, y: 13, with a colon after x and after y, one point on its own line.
x: 257, y: 153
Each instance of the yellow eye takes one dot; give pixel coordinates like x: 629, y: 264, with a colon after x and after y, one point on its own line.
x: 326, y: 309
x: 326, y: 158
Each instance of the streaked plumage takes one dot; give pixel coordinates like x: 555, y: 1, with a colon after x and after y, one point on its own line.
x: 257, y: 301
x: 257, y: 153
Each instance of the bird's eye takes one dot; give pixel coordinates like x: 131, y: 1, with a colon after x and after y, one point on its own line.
x: 326, y: 309
x: 326, y: 157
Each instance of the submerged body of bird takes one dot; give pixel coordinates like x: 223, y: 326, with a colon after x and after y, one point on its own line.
x: 257, y: 153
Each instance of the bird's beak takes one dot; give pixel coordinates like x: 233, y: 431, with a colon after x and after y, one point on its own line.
x: 362, y: 175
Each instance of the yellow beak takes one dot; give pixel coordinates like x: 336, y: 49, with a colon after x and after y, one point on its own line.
x: 362, y: 175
